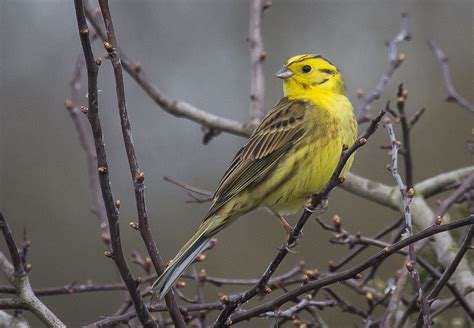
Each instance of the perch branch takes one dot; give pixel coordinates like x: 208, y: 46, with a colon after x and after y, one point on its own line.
x: 316, y: 199
x: 348, y: 274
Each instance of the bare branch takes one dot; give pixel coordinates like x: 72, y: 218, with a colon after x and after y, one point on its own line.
x: 347, y: 274
x: 453, y: 95
x: 443, y: 280
x: 407, y: 198
x: 18, y: 278
x: 395, y: 59
x: 138, y: 175
x: 74, y: 107
x: 174, y: 107
x: 111, y: 209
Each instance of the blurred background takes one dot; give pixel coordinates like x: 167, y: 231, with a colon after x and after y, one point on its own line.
x: 197, y: 51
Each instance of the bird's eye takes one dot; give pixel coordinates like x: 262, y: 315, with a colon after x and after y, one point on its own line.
x: 306, y: 69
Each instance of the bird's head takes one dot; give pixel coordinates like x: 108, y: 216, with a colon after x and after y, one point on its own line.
x: 305, y: 74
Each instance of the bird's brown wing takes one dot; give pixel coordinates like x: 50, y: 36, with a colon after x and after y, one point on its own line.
x: 281, y: 128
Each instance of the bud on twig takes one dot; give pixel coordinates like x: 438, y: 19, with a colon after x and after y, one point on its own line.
x: 133, y: 225
x: 68, y: 104
x: 108, y: 254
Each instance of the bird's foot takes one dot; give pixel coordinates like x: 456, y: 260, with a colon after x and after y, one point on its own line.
x: 319, y: 209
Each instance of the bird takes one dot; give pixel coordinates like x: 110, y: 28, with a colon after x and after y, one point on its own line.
x: 291, y: 154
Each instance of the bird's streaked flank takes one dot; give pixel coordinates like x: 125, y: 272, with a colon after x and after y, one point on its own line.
x: 291, y: 155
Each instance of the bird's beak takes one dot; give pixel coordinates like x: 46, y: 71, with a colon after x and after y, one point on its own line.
x: 284, y: 73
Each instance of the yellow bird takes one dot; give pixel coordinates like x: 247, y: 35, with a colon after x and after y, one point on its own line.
x: 290, y: 155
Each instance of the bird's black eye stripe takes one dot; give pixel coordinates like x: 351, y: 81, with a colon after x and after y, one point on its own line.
x: 306, y: 69
x: 327, y: 71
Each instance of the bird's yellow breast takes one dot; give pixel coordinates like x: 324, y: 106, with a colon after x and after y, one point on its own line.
x: 310, y: 164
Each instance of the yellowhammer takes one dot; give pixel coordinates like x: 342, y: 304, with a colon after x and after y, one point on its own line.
x: 291, y: 154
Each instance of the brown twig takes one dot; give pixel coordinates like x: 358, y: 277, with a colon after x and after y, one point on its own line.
x: 111, y: 209
x: 446, y: 204
x: 316, y: 199
x: 453, y: 95
x: 443, y: 280
x: 402, y: 97
x: 73, y: 105
x: 174, y: 107
x: 347, y: 274
x: 395, y: 59
x: 126, y: 317
x: 137, y: 174
x: 407, y: 198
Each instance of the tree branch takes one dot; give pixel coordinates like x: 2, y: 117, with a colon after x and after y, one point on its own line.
x: 112, y: 211
x: 350, y: 273
x: 18, y: 278
x: 174, y: 107
x: 453, y: 95
x: 395, y: 59
x: 138, y: 175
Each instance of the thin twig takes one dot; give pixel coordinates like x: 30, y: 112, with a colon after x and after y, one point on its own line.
x: 465, y: 245
x: 174, y: 107
x: 453, y: 95
x: 347, y: 274
x: 111, y: 209
x: 407, y: 198
x: 74, y: 107
x: 137, y: 174
x: 18, y: 278
x: 395, y: 59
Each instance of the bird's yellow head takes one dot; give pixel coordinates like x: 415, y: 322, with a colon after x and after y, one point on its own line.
x: 305, y: 74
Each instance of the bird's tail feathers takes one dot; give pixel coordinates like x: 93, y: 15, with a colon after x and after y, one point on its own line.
x: 184, y: 258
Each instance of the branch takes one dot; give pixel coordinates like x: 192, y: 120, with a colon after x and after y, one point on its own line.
x: 395, y: 59
x: 138, y: 175
x: 257, y: 57
x: 407, y: 198
x: 444, y: 206
x: 126, y: 317
x: 316, y: 200
x: 174, y: 107
x: 73, y: 106
x: 18, y: 278
x: 453, y: 95
x: 438, y: 183
x: 348, y: 274
x: 112, y: 211
x: 465, y: 246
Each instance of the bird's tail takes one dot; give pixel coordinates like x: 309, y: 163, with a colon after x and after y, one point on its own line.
x: 186, y: 255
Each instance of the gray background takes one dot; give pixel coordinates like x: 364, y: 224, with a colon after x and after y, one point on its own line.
x: 197, y: 51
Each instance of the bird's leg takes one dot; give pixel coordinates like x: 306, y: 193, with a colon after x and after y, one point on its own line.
x: 288, y: 228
